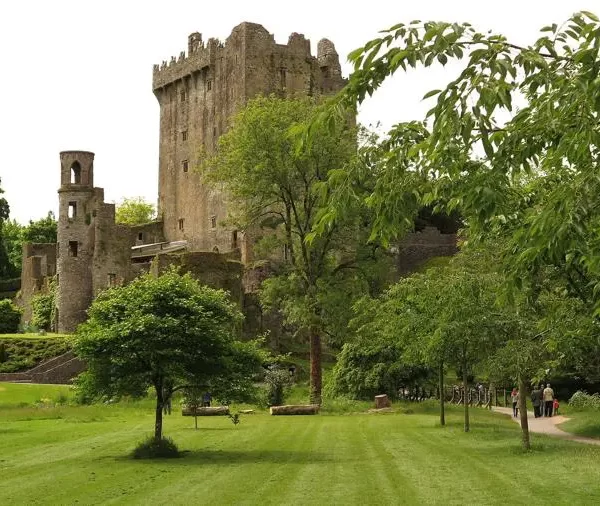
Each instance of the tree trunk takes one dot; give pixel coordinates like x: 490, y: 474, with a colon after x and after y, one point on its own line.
x: 196, y: 421
x: 295, y: 409
x: 466, y: 395
x: 523, y: 412
x: 159, y: 412
x: 441, y: 386
x: 315, y: 367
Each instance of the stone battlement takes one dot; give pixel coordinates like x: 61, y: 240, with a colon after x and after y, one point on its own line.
x: 200, y: 55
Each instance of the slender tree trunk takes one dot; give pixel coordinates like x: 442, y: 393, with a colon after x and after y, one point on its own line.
x: 466, y: 395
x: 523, y: 412
x: 159, y: 411
x: 441, y: 386
x: 196, y: 419
x: 315, y: 366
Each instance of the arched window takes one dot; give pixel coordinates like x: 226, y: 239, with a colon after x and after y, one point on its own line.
x: 215, y: 249
x: 76, y: 173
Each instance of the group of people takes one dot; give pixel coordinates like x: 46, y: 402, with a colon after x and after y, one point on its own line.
x: 543, y: 401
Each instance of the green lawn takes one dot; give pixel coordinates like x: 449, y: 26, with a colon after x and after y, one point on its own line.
x: 69, y: 455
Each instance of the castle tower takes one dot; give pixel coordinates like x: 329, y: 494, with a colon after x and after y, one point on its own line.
x: 75, y: 238
x: 199, y: 92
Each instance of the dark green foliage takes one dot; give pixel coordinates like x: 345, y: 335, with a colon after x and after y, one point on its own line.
x: 3, y: 353
x: 151, y: 448
x: 43, y: 230
x: 277, y: 381
x: 23, y: 354
x: 10, y: 316
x: 374, y: 366
x: 43, y: 307
x: 235, y: 418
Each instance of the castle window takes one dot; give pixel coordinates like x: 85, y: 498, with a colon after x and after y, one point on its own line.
x: 75, y: 173
x: 183, y: 95
x: 215, y: 249
x: 213, y: 221
x: 73, y: 247
x: 234, y: 239
x: 208, y: 85
x: 185, y: 165
x: 72, y: 210
x: 214, y: 131
x: 184, y: 135
x: 112, y: 280
x: 180, y: 224
x: 141, y: 236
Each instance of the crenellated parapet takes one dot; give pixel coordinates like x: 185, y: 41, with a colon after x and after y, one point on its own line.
x: 199, y: 56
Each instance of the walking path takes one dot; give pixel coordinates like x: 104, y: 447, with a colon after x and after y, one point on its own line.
x: 548, y: 426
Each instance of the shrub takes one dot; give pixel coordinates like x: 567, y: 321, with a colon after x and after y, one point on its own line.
x: 278, y: 381
x: 3, y: 353
x: 10, y: 315
x: 583, y: 400
x: 150, y: 448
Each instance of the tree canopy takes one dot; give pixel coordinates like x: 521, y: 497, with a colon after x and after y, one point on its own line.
x: 276, y: 196
x: 135, y: 211
x: 168, y: 333
x: 512, y: 142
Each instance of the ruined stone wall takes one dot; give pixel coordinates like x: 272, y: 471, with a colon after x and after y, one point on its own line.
x: 112, y: 250
x: 416, y: 248
x: 148, y: 233
x: 211, y: 269
x: 198, y: 93
x: 39, y: 264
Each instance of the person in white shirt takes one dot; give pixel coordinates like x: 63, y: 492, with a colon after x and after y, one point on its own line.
x: 548, y: 400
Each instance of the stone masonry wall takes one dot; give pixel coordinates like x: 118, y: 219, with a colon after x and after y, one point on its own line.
x: 39, y: 264
x: 416, y: 248
x: 198, y: 93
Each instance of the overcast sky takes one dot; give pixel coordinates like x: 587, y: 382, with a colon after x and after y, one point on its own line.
x: 77, y: 75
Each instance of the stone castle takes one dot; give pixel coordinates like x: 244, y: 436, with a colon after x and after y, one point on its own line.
x: 198, y: 93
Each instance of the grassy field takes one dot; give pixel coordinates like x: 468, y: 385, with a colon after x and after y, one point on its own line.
x: 78, y: 455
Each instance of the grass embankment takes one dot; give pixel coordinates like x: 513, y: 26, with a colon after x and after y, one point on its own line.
x: 582, y: 422
x: 19, y: 352
x: 68, y: 455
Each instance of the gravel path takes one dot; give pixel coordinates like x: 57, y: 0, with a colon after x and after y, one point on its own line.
x: 548, y: 426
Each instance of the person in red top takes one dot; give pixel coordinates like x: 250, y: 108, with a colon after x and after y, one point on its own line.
x: 555, y: 405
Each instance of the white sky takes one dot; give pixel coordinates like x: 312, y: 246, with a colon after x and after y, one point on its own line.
x: 78, y: 74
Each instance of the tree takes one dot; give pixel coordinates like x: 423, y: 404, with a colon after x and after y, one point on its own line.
x: 278, y: 195
x: 7, y: 269
x: 10, y: 316
x: 529, y: 172
x: 135, y: 211
x: 43, y: 230
x: 165, y: 332
x: 12, y: 237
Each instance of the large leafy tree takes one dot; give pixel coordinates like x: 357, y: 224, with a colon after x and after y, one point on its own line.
x: 135, y: 211
x: 279, y: 194
x: 513, y: 142
x: 167, y: 333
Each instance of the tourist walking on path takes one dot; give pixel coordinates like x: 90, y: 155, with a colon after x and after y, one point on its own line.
x: 536, y: 401
x: 514, y: 395
x: 548, y: 400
